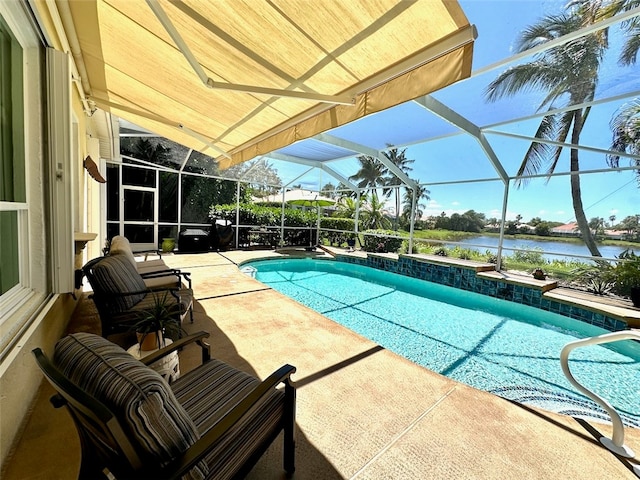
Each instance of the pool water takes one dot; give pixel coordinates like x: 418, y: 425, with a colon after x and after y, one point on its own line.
x: 498, y: 346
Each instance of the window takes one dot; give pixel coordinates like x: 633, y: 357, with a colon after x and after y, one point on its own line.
x: 24, y: 284
x: 12, y: 185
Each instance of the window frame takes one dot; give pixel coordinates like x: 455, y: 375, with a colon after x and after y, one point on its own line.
x: 20, y: 305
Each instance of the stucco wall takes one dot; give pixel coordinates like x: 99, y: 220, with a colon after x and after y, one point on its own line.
x: 20, y: 377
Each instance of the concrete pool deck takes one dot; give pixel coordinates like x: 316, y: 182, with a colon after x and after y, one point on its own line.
x: 362, y: 411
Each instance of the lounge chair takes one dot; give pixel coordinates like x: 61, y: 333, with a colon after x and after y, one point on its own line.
x: 154, y: 272
x: 213, y: 422
x: 121, y: 295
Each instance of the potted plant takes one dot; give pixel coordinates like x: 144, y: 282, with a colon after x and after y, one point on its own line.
x: 351, y: 242
x: 538, y: 274
x: 626, y: 276
x: 157, y: 322
x: 168, y: 244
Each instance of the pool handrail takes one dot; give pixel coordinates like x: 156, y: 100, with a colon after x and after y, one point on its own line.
x: 616, y: 442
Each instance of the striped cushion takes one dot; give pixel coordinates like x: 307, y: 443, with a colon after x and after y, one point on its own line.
x: 137, y: 395
x: 115, y: 275
x: 210, y: 392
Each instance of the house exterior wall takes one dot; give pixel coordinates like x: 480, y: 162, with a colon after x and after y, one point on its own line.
x: 20, y: 378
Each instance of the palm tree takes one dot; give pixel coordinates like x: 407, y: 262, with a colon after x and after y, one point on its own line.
x: 629, y: 53
x: 371, y: 173
x: 346, y: 207
x: 567, y: 72
x: 421, y: 193
x: 626, y: 134
x: 399, y: 159
x: 373, y: 214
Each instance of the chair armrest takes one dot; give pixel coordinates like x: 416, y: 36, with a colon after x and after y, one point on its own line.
x: 196, y: 337
x: 146, y: 253
x: 198, y: 450
x: 172, y: 290
x: 168, y: 272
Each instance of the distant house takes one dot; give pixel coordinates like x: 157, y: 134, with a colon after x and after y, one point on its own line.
x: 616, y: 234
x: 567, y: 230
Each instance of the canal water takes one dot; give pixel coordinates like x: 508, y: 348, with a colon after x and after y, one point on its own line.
x: 564, y: 250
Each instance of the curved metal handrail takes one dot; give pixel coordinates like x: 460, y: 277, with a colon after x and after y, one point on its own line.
x: 616, y: 442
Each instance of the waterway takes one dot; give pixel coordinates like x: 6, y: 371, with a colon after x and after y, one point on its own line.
x: 561, y: 250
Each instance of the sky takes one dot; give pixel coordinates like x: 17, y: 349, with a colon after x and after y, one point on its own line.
x: 461, y: 158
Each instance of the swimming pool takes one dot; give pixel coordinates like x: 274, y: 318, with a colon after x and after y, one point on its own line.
x: 509, y: 349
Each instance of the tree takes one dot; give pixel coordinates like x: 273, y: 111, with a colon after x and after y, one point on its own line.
x: 371, y: 173
x: 631, y: 225
x: 566, y: 72
x: 329, y: 190
x: 626, y: 134
x: 399, y: 159
x: 442, y: 222
x: 596, y: 224
x: 260, y: 176
x: 346, y: 207
x: 421, y: 193
x: 373, y: 214
x: 612, y: 219
x: 543, y: 229
x: 629, y: 53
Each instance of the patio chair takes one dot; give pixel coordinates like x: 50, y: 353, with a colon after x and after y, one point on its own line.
x: 214, y: 422
x: 121, y: 296
x: 156, y: 273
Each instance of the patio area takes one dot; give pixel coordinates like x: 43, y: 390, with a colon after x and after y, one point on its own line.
x: 362, y: 411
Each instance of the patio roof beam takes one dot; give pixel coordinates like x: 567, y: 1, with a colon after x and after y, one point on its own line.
x: 164, y: 19
x: 339, y: 177
x: 441, y: 110
x: 156, y: 118
x: 259, y: 161
x: 297, y: 178
x: 554, y: 111
x: 621, y: 17
x: 313, y: 163
x: 363, y: 149
x: 561, y: 144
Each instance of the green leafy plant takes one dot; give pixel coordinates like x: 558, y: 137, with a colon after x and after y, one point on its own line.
x: 162, y: 315
x: 598, y: 278
x: 626, y: 274
x: 375, y: 243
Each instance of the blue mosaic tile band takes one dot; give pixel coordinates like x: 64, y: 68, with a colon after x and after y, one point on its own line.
x: 466, y: 279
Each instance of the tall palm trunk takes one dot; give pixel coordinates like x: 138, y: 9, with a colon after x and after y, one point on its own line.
x: 396, y: 225
x: 576, y: 194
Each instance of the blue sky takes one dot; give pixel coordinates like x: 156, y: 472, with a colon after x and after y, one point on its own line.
x: 460, y: 157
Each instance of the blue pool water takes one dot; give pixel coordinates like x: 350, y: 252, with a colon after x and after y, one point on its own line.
x: 502, y: 347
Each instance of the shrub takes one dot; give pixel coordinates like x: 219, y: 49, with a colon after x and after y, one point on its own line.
x: 491, y: 257
x: 533, y: 256
x: 626, y: 273
x: 596, y: 278
x: 259, y: 215
x: 333, y: 223
x: 462, y: 253
x: 375, y: 243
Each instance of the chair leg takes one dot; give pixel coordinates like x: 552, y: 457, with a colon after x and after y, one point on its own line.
x: 289, y: 428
